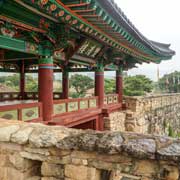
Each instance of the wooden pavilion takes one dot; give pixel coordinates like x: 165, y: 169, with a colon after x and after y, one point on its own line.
x: 46, y: 36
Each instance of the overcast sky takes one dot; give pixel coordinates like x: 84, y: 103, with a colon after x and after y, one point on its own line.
x: 158, y: 20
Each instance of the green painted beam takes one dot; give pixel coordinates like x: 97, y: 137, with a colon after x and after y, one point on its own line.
x: 22, y: 46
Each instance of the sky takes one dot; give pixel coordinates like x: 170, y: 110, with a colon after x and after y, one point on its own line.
x: 158, y: 20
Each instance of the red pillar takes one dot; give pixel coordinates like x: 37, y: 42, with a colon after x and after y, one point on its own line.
x: 99, y: 91
x: 99, y: 87
x: 119, y: 84
x: 22, y: 80
x: 46, y: 87
x: 65, y: 83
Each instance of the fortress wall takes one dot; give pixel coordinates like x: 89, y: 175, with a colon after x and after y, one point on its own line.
x: 148, y: 115
x: 40, y: 152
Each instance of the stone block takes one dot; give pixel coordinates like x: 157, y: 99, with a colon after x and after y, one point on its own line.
x: 9, y: 173
x: 145, y: 168
x: 81, y: 173
x: 21, y: 163
x: 52, y: 170
x: 34, y: 178
x: 22, y: 135
x: 7, y: 131
x: 50, y: 178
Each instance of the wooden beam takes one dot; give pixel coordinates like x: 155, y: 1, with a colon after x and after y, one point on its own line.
x: 77, y: 5
x: 20, y: 45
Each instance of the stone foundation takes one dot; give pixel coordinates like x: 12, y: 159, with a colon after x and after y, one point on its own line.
x: 39, y: 152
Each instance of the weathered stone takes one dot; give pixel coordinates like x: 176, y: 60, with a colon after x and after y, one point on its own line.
x: 7, y: 131
x: 110, y: 143
x: 101, y: 164
x: 145, y: 168
x: 32, y: 156
x: 20, y: 163
x: 22, y: 136
x: 50, y: 178
x: 52, y: 170
x: 46, y: 137
x: 140, y: 148
x: 115, y: 121
x: 81, y: 173
x: 34, y: 178
x: 172, y: 152
x: 84, y: 155
x: 58, y: 152
x: 41, y: 151
x: 88, y: 141
x: 68, y: 143
x: 59, y: 160
x: 170, y: 172
x: 76, y: 161
x: 9, y: 173
x: 126, y: 156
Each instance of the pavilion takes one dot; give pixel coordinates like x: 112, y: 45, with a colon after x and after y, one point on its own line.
x: 46, y: 36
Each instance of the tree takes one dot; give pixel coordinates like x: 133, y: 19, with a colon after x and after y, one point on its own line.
x: 137, y: 85
x: 11, y: 81
x: 81, y: 84
x: 110, y: 86
x: 170, y: 83
x: 31, y: 83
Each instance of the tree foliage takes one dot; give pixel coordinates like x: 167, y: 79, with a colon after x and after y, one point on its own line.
x: 110, y: 86
x: 137, y: 85
x: 31, y: 83
x: 81, y: 84
x: 11, y: 81
x: 170, y: 83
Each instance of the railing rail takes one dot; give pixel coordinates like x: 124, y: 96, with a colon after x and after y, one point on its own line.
x: 24, y: 112
x: 6, y: 96
x: 111, y: 99
x: 72, y: 105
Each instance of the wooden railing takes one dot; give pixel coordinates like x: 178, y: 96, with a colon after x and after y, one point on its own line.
x: 8, y: 96
x: 31, y: 95
x: 24, y: 112
x: 110, y: 99
x: 71, y: 105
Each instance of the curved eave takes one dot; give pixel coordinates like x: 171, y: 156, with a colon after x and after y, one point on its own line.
x: 111, y: 7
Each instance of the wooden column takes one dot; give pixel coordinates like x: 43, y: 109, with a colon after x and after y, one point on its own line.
x: 99, y: 91
x: 22, y: 81
x: 99, y: 84
x: 119, y: 83
x: 46, y: 87
x: 65, y: 83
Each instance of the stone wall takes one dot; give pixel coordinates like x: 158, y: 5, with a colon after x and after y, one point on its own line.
x: 115, y: 121
x: 148, y: 115
x: 154, y: 114
x: 39, y: 152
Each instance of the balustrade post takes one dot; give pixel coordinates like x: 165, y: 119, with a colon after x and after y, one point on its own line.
x: 65, y: 83
x: 99, y: 83
x: 119, y: 83
x: 46, y: 86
